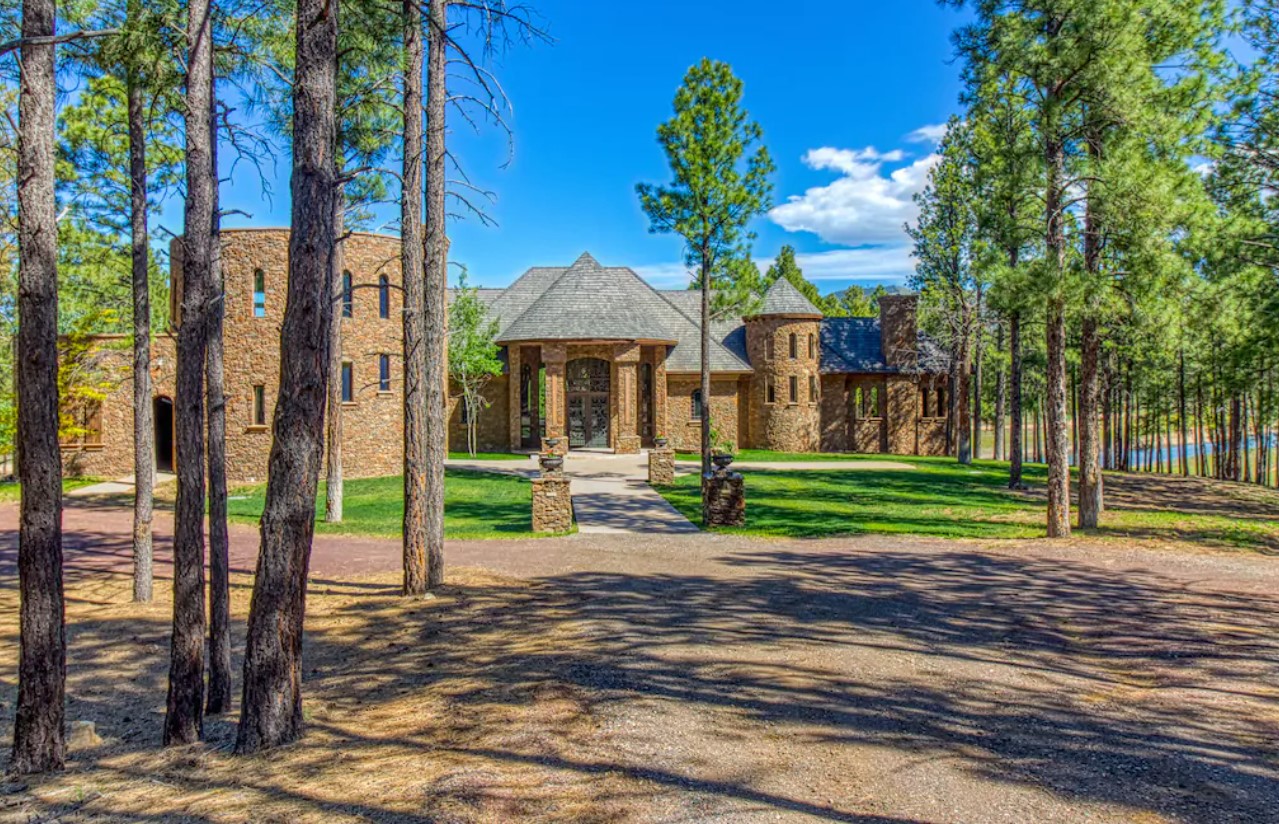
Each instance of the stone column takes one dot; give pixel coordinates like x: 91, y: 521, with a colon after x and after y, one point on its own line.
x: 513, y: 382
x: 555, y: 356
x: 661, y: 426
x: 724, y: 499
x: 661, y: 466
x: 627, y: 358
x: 902, y: 413
x: 552, y: 504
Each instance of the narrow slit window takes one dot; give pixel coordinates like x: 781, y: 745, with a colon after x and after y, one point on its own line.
x: 348, y: 383
x: 259, y: 405
x: 384, y: 373
x: 770, y: 390
x: 697, y: 404
x: 812, y: 389
x: 259, y: 293
x: 794, y: 346
x: 383, y: 297
x: 348, y: 296
x: 794, y: 389
x: 812, y: 347
x: 923, y: 402
x: 769, y: 346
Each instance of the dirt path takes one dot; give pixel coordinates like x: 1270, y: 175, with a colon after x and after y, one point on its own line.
x: 695, y: 678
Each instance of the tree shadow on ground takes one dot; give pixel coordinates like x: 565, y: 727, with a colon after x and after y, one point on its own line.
x: 597, y: 696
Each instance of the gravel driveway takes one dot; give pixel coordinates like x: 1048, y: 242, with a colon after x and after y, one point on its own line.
x: 877, y: 679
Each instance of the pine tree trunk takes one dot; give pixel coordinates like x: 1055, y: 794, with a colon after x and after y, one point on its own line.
x: 143, y: 425
x: 38, y: 738
x: 1015, y: 413
x: 1091, y: 493
x: 1236, y: 439
x: 218, y: 700
x: 1055, y: 414
x: 1107, y: 421
x: 333, y: 423
x: 1001, y: 400
x: 413, y: 272
x: 436, y: 300
x: 1181, y: 409
x: 184, y: 719
x: 705, y: 336
x: 271, y: 711
x: 977, y: 345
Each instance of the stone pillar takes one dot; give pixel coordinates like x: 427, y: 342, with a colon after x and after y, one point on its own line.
x: 513, y: 383
x: 902, y: 414
x: 552, y: 504
x: 626, y: 358
x: 661, y: 426
x: 724, y: 499
x: 661, y: 466
x: 555, y: 356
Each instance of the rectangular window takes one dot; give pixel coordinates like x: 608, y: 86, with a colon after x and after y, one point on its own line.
x: 812, y: 347
x: 769, y: 346
x: 259, y: 293
x: 812, y: 389
x: 383, y: 297
x: 794, y: 346
x: 85, y: 427
x: 794, y: 389
x: 259, y: 405
x: 348, y: 296
x: 384, y: 373
x: 770, y: 391
x: 348, y: 383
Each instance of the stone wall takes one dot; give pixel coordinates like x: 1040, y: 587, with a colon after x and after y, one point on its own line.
x: 685, y: 431
x: 552, y: 505
x: 493, y: 434
x: 783, y: 425
x: 835, y: 418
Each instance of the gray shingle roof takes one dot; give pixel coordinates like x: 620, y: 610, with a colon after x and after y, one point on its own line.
x: 782, y: 298
x: 854, y: 345
x: 591, y: 302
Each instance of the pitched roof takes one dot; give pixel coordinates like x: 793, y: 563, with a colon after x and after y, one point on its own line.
x: 782, y: 298
x: 855, y: 345
x: 589, y: 301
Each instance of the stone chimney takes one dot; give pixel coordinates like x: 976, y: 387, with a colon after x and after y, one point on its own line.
x: 897, y: 330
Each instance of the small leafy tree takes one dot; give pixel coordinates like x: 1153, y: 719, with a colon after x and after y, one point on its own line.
x: 472, y: 354
x: 720, y: 170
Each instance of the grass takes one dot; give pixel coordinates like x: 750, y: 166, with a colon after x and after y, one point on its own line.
x: 487, y: 456
x: 476, y: 505
x: 11, y: 491
x: 938, y: 497
x: 768, y: 455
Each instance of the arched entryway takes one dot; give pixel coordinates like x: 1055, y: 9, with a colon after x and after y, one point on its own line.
x: 164, y: 434
x: 587, y: 395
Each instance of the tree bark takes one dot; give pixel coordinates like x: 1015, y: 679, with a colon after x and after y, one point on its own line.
x: 184, y: 719
x: 977, y: 363
x: 143, y: 425
x: 1181, y: 408
x: 1091, y: 498
x: 705, y: 341
x: 1001, y: 390
x: 436, y: 299
x: 218, y: 699
x: 271, y: 712
x: 38, y: 739
x: 1236, y: 445
x: 1055, y: 434
x: 962, y: 393
x: 1015, y: 414
x: 333, y: 452
x: 412, y: 266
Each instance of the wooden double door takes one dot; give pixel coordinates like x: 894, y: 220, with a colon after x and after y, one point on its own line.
x: 587, y: 393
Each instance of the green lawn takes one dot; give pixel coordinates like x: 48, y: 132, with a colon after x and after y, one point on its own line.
x: 488, y: 456
x: 476, y: 505
x: 939, y: 497
x: 10, y: 491
x: 763, y: 455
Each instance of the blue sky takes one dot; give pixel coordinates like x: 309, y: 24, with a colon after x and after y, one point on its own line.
x: 849, y: 95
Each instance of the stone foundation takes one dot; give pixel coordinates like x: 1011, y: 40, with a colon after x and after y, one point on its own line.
x: 661, y: 467
x: 552, y: 505
x: 724, y: 499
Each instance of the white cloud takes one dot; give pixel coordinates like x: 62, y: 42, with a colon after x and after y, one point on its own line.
x: 665, y: 275
x: 928, y: 134
x: 890, y: 264
x: 865, y: 205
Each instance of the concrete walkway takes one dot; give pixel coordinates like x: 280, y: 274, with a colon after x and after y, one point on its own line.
x: 610, y: 492
x: 120, y: 486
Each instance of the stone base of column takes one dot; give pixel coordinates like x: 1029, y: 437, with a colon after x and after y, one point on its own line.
x: 627, y: 445
x: 724, y: 499
x: 661, y: 467
x: 552, y: 505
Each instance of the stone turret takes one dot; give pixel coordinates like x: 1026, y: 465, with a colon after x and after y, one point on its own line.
x: 783, y: 340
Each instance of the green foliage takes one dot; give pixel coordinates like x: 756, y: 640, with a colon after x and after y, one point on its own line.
x: 473, y: 356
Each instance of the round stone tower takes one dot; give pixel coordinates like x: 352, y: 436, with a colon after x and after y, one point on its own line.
x: 783, y: 340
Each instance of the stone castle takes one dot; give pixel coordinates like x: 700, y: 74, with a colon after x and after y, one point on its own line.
x: 594, y: 357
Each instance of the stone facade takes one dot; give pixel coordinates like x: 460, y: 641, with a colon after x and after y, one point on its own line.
x: 724, y: 499
x: 661, y: 467
x: 781, y: 395
x: 552, y: 505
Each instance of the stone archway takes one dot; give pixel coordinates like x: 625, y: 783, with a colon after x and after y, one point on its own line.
x: 587, y: 389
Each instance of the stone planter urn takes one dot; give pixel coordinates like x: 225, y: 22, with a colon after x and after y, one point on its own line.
x: 722, y: 461
x: 550, y: 464
x: 660, y: 442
